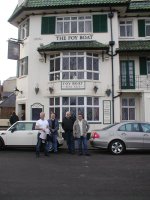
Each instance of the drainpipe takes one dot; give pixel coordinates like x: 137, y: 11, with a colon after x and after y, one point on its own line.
x: 112, y: 54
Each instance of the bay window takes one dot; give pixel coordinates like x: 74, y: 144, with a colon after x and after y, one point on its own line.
x: 74, y: 65
x: 88, y: 106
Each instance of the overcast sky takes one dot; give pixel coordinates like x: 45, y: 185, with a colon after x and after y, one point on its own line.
x: 7, y: 67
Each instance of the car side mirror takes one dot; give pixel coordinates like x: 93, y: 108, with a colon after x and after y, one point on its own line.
x: 13, y: 129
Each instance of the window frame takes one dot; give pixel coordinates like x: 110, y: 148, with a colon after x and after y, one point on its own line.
x: 128, y: 107
x: 79, y: 74
x: 70, y: 22
x: 23, y: 67
x: 24, y: 29
x: 147, y: 24
x: 126, y: 25
x: 68, y: 107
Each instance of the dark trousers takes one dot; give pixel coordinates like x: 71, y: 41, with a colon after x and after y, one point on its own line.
x: 70, y: 141
x: 39, y: 145
x: 82, y: 145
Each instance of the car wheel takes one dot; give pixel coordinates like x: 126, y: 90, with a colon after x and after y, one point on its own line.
x: 117, y: 147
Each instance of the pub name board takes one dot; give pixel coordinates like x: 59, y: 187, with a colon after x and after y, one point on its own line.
x: 74, y: 37
x: 72, y: 85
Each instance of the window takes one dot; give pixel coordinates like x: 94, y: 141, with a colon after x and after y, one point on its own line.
x: 74, y: 65
x: 143, y: 27
x: 147, y: 27
x: 134, y: 127
x: 23, y: 67
x: 88, y: 106
x: 74, y: 24
x: 145, y: 128
x: 144, y: 65
x: 148, y: 67
x: 24, y: 30
x: 54, y: 67
x: 126, y: 28
x: 128, y: 109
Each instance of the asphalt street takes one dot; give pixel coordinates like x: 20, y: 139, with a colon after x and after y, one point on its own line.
x: 72, y: 177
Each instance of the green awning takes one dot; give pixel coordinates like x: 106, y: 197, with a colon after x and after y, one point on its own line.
x: 78, y: 45
x: 139, y: 6
x: 134, y: 46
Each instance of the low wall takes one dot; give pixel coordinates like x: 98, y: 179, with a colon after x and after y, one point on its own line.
x: 4, y: 123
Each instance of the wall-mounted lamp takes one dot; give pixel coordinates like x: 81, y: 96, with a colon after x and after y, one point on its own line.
x: 51, y: 89
x: 17, y: 91
x: 36, y: 89
x: 108, y: 92
x: 95, y: 88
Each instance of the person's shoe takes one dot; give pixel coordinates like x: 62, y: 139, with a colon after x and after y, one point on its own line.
x: 80, y: 154
x: 47, y: 154
x: 87, y: 154
x: 37, y: 155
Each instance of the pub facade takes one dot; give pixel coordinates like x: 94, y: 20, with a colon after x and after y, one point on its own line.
x: 89, y: 57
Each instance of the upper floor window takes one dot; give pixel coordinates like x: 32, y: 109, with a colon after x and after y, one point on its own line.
x: 74, y: 65
x: 74, y: 24
x: 144, y: 27
x: 148, y: 67
x: 147, y: 27
x: 24, y: 30
x: 144, y: 63
x: 23, y: 67
x: 126, y: 27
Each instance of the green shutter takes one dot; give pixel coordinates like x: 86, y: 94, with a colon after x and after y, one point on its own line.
x: 100, y: 23
x: 143, y: 66
x: 48, y: 25
x: 141, y: 28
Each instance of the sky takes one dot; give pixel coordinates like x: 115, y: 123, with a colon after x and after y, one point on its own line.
x: 7, y: 67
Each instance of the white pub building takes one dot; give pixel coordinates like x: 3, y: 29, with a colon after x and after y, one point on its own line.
x: 85, y: 56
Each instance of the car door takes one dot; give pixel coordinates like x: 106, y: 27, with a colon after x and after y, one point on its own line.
x: 146, y: 135
x: 21, y: 134
x: 132, y: 135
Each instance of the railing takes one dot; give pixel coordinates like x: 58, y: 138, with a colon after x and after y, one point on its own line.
x: 136, y: 82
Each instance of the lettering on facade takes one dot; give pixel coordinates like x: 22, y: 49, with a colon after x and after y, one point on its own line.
x: 74, y: 37
x: 107, y: 112
x: 72, y: 85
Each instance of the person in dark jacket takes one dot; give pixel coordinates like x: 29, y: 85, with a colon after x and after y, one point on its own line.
x: 53, y: 127
x: 67, y: 125
x: 13, y: 118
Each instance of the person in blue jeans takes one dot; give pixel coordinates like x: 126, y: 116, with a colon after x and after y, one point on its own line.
x: 54, y: 127
x: 80, y: 129
x: 42, y: 127
x: 67, y: 125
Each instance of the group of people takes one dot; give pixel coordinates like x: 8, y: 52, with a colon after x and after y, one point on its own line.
x: 74, y: 130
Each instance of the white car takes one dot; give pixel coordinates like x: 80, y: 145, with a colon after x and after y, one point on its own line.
x: 23, y: 134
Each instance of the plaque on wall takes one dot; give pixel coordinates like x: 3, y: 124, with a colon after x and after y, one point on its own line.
x: 106, y: 112
x: 65, y: 85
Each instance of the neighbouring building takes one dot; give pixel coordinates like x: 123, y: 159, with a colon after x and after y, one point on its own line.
x: 7, y: 101
x: 86, y: 56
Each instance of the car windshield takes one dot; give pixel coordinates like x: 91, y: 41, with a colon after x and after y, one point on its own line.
x: 110, y: 126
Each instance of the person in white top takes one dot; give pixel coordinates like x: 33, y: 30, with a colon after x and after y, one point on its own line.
x: 42, y: 125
